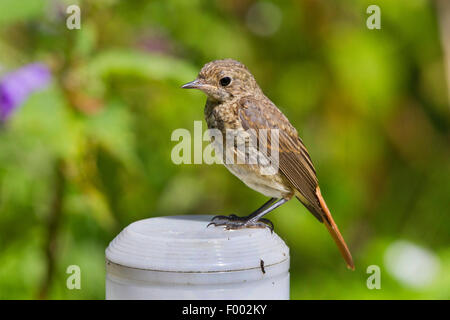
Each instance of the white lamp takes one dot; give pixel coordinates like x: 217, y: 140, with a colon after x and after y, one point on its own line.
x: 178, y: 257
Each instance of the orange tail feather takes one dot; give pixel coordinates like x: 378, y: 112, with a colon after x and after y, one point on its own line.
x: 334, y: 231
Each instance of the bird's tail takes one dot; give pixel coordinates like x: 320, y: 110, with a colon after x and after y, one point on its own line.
x: 334, y: 231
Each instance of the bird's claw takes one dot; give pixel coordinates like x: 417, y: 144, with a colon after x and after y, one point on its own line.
x: 233, y: 222
x: 224, y: 217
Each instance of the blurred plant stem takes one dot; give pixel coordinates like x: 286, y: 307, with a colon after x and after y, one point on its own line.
x: 52, y: 227
x: 443, y: 8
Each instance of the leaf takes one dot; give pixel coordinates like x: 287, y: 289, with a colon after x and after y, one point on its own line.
x: 13, y: 11
x: 148, y: 66
x: 113, y: 130
x: 45, y: 121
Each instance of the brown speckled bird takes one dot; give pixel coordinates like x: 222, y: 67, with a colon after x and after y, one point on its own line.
x: 236, y: 103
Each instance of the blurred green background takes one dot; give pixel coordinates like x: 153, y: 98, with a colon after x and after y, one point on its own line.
x: 90, y: 154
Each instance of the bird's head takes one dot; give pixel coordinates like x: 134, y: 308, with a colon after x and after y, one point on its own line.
x: 223, y: 80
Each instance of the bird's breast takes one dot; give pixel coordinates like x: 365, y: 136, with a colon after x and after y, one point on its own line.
x: 254, y: 167
x: 222, y: 116
x: 261, y: 180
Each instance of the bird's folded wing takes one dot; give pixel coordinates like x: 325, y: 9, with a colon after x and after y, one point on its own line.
x: 293, y: 158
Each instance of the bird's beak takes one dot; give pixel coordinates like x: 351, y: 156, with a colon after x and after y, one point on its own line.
x: 196, y: 84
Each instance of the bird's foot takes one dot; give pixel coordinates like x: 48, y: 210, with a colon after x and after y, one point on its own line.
x: 233, y: 222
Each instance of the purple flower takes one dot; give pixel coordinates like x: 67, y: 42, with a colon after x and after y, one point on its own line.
x: 16, y: 86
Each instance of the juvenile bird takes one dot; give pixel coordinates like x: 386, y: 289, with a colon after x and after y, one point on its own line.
x: 235, y: 103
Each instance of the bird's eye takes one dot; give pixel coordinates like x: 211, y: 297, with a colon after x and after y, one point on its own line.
x: 225, y: 81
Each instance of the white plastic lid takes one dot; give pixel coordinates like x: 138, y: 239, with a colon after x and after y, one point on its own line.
x: 185, y: 244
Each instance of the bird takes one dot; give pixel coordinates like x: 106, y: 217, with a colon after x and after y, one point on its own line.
x: 236, y: 107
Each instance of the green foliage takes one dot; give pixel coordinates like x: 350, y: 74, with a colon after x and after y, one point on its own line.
x: 371, y: 106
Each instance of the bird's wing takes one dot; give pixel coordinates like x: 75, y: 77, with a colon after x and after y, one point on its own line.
x: 294, y: 161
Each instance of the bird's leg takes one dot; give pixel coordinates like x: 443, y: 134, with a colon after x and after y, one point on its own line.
x: 264, y: 206
x: 254, y: 220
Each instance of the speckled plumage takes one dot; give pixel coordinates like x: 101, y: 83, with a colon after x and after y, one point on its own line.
x: 240, y: 106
